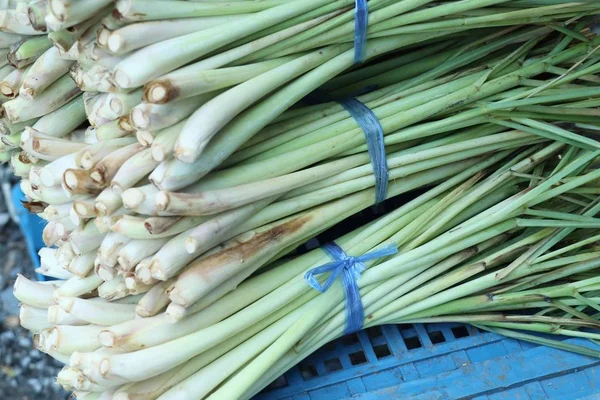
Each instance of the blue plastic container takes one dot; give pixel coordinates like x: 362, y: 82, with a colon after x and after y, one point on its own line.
x: 438, y: 362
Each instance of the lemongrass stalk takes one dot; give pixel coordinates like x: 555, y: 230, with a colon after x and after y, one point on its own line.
x: 122, y: 103
x: 27, y: 52
x: 111, y: 365
x: 49, y: 235
x: 145, y: 138
x: 205, y: 380
x: 67, y: 339
x: 51, y: 266
x: 81, y: 265
x: 113, y: 289
x: 104, y: 223
x: 142, y: 272
x: 111, y: 130
x: 35, y: 294
x: 141, y: 199
x: 10, y: 24
x: 155, y: 300
x: 64, y: 227
x: 163, y: 144
x: 131, y: 73
x: 91, y: 136
x: 107, y: 202
x: 8, y: 128
x: 56, y: 95
x: 153, y: 228
x: 104, y: 271
x: 191, y: 286
x: 10, y: 84
x: 34, y: 319
x: 194, y: 138
x: 104, y: 171
x: 179, y: 85
x: 63, y: 120
x: 65, y: 39
x: 76, y: 286
x: 21, y: 165
x: 36, y: 13
x: 84, y: 209
x: 86, y: 239
x: 88, y: 377
x: 110, y: 247
x: 247, y: 297
x: 11, y: 141
x: 7, y: 39
x: 97, y: 312
x: 172, y: 175
x: 55, y: 195
x: 221, y: 200
x: 509, y: 80
x: 69, y: 12
x: 225, y: 57
x: 92, y: 154
x: 156, y: 386
x: 6, y: 70
x: 133, y: 170
x: 381, y: 18
x: 253, y: 289
x: 153, y: 117
x: 140, y: 10
x: 79, y: 181
x: 45, y: 71
x: 138, y: 35
x: 47, y: 147
x: 186, y: 246
x: 58, y: 316
x: 135, y: 251
x: 52, y: 173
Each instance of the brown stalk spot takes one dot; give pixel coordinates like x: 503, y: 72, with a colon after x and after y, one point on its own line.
x: 247, y: 249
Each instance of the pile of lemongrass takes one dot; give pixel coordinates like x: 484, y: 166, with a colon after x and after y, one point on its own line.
x: 193, y: 163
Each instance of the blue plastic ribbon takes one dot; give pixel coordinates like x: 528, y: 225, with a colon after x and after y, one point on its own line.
x: 361, y: 24
x: 368, y: 122
x: 349, y: 268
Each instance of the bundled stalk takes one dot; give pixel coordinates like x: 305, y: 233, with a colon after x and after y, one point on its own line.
x: 212, y: 141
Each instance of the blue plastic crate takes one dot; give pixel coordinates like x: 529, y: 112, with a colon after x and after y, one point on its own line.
x: 438, y: 362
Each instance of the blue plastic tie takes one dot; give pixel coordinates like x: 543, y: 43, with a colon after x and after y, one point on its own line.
x: 361, y: 24
x: 368, y: 122
x: 349, y: 268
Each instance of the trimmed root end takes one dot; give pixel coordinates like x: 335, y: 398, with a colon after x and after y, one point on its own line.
x: 145, y: 138
x: 132, y: 198
x: 114, y: 41
x: 107, y: 338
x: 162, y: 201
x: 158, y: 153
x: 66, y: 303
x: 139, y: 119
x: 177, y: 298
x: 116, y: 106
x: 121, y: 79
x: 70, y: 180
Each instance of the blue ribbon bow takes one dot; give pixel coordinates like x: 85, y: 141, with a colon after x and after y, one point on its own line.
x: 361, y: 24
x: 349, y: 268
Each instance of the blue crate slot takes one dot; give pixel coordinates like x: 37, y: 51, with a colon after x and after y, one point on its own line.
x: 438, y: 362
